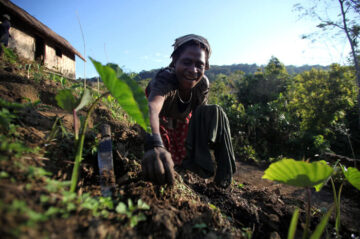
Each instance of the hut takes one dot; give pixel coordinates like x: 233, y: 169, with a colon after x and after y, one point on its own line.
x: 33, y: 40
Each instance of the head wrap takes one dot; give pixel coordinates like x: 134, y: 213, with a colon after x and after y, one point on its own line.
x: 182, y: 40
x: 5, y: 16
x: 191, y: 37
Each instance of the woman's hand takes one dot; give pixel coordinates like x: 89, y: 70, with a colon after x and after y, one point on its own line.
x: 158, y: 167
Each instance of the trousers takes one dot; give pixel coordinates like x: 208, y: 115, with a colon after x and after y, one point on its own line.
x: 209, y: 130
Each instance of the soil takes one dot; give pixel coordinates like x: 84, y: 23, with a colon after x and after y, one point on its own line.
x: 192, y: 208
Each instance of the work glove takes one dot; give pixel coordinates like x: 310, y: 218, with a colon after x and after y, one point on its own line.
x: 157, y: 164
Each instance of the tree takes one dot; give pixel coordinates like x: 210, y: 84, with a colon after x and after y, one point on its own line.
x: 319, y: 100
x: 347, y: 22
x: 263, y: 86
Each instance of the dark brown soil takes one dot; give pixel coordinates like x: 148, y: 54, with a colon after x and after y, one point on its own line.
x: 250, y: 206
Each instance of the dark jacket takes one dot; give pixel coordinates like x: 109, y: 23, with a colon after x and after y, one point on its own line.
x: 4, y: 32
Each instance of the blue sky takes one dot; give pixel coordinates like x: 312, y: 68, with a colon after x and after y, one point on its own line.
x: 138, y: 34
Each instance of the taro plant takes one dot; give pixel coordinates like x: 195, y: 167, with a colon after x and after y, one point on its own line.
x: 67, y: 101
x: 352, y: 175
x: 301, y: 174
x: 122, y: 87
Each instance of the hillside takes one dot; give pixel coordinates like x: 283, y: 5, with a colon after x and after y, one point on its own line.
x: 37, y: 156
x: 229, y: 69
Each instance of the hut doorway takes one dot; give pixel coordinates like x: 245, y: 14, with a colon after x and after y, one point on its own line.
x: 39, y: 50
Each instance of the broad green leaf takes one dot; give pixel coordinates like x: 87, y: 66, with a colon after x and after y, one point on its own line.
x: 321, y: 226
x: 353, y: 176
x: 319, y: 186
x: 66, y: 100
x: 121, y: 92
x: 85, y: 99
x: 298, y: 173
x: 138, y: 93
x: 121, y: 208
x: 293, y: 224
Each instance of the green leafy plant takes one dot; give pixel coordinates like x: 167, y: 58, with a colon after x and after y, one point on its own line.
x: 126, y: 91
x: 238, y: 184
x: 319, y: 228
x: 201, y: 226
x: 300, y: 174
x: 9, y: 55
x: 123, y: 89
x: 9, y: 142
x: 98, y: 206
x: 352, y: 175
x: 130, y: 209
x: 67, y: 101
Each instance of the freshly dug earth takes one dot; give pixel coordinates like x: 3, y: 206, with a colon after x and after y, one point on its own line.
x: 192, y: 208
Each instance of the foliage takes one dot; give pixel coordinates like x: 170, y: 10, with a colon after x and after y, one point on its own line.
x: 314, y: 91
x: 116, y: 110
x: 67, y: 101
x: 301, y: 174
x: 352, y: 175
x: 263, y: 86
x: 9, y: 142
x: 218, y: 89
x: 249, y: 69
x: 137, y: 92
x: 9, y: 55
x: 346, y: 24
x: 298, y: 173
x: 274, y: 114
x: 123, y: 91
x: 319, y: 100
x: 293, y: 224
x: 322, y: 225
x: 130, y: 211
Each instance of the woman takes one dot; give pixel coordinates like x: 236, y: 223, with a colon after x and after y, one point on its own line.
x: 184, y: 128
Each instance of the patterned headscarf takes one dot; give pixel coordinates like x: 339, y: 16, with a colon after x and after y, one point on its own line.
x: 184, y: 39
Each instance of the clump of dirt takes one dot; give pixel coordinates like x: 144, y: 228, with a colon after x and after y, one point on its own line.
x: 192, y: 208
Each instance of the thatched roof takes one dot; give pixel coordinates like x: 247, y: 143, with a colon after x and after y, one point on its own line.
x: 16, y: 12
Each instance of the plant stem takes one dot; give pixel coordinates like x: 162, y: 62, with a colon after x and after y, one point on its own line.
x: 337, y: 223
x: 307, y: 223
x: 337, y: 203
x: 78, y: 157
x: 76, y: 128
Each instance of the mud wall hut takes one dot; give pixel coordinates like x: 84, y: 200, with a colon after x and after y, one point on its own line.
x: 33, y: 40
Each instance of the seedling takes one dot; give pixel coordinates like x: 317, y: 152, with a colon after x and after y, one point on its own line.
x: 201, y: 226
x: 352, y: 175
x: 129, y: 211
x: 300, y: 174
x: 124, y: 89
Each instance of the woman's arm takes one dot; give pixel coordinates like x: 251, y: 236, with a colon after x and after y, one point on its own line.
x: 157, y: 165
x: 156, y: 103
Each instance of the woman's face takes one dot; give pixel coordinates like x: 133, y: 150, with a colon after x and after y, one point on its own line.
x: 190, y: 67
